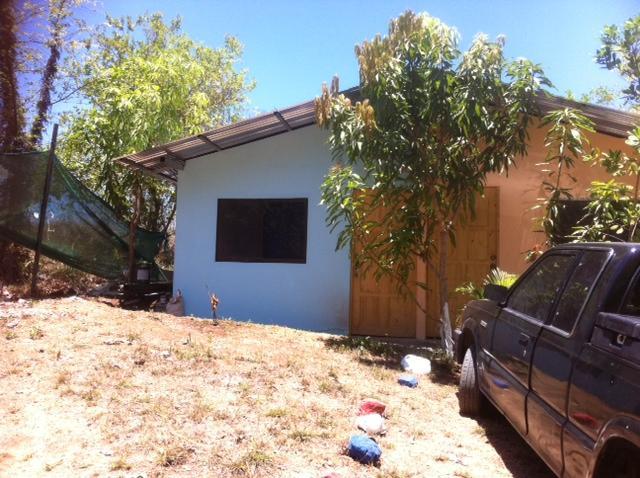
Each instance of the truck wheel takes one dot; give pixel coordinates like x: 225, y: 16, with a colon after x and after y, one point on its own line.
x: 469, y: 395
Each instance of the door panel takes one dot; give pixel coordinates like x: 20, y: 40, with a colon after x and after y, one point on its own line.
x: 508, y: 374
x: 471, y: 259
x: 545, y: 431
x: 517, y: 329
x: 378, y: 308
x: 553, y: 358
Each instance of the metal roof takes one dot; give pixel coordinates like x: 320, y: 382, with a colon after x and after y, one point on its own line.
x: 164, y: 161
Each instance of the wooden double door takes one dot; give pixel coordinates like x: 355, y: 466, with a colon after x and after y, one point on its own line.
x: 379, y: 309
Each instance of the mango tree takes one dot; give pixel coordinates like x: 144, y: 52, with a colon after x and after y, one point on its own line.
x: 431, y: 123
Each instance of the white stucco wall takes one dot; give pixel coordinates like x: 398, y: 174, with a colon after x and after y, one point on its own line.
x: 312, y: 296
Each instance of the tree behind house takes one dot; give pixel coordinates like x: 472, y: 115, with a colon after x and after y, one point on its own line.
x: 143, y: 82
x: 613, y: 211
x: 432, y: 123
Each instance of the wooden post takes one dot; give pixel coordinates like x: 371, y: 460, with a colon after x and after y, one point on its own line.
x: 43, y: 212
x: 133, y: 226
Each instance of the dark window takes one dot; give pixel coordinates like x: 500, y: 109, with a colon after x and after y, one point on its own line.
x: 535, y: 294
x: 578, y: 287
x: 570, y: 214
x: 262, y: 230
x: 632, y: 302
x: 573, y: 213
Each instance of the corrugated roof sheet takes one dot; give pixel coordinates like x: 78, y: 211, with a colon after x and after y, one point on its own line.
x: 164, y: 161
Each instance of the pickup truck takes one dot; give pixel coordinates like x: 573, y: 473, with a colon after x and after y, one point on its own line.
x: 558, y: 354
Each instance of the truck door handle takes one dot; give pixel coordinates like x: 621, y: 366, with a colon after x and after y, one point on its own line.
x: 523, y: 340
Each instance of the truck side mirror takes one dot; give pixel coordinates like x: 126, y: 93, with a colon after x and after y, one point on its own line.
x: 496, y: 293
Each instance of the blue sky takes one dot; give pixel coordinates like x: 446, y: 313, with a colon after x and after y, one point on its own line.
x: 291, y: 47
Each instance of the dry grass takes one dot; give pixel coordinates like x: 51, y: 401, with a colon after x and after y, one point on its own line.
x: 106, y: 392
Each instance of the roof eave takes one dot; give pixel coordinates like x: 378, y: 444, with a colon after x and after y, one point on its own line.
x: 164, y: 161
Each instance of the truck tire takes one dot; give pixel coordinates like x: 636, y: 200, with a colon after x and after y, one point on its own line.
x: 469, y: 395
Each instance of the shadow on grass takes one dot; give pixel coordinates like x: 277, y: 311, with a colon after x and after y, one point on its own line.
x: 388, y: 353
x: 518, y: 457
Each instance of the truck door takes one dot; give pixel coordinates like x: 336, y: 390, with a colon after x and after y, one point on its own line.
x: 556, y: 349
x: 516, y: 330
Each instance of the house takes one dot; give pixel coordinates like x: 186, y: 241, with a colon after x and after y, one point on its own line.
x: 250, y: 226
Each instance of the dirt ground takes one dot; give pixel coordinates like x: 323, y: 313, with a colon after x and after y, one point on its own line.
x: 87, y: 389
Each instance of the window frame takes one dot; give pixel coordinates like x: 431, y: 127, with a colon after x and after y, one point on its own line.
x: 564, y: 333
x: 635, y: 281
x: 534, y: 320
x: 262, y: 260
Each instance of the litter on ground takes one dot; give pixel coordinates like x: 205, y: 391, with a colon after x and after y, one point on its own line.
x: 364, y: 450
x: 372, y: 424
x: 416, y: 364
x: 371, y: 406
x: 408, y: 381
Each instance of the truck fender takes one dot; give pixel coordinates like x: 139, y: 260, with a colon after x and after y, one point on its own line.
x: 465, y: 336
x: 623, y: 427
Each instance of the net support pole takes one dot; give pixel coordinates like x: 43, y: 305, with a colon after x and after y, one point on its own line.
x: 43, y: 211
x: 133, y: 227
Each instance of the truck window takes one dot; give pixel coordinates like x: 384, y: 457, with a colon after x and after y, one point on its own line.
x: 632, y: 302
x: 577, y: 290
x: 536, y: 293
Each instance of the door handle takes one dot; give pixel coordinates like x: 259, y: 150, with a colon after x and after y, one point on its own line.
x: 523, y: 340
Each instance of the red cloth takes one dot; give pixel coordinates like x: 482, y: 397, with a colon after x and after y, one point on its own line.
x: 371, y: 406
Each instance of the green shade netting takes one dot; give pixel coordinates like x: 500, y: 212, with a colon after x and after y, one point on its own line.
x: 81, y: 229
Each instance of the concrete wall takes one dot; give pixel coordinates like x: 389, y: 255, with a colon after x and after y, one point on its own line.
x: 312, y: 296
x: 520, y: 188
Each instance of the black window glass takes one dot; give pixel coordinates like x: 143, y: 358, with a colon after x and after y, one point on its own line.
x: 632, y: 302
x: 573, y: 213
x: 535, y: 294
x: 262, y: 230
x: 570, y: 214
x: 577, y: 289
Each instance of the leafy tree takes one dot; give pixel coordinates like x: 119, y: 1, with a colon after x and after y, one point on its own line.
x: 144, y: 82
x: 600, y: 95
x: 566, y: 142
x: 620, y: 52
x: 613, y: 212
x: 432, y: 123
x: 35, y: 36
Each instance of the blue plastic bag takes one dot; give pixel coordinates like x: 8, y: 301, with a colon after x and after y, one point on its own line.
x: 408, y: 381
x: 363, y: 449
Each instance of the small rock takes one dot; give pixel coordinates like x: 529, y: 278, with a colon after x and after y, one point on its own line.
x: 13, y: 324
x: 165, y: 354
x: 113, y: 342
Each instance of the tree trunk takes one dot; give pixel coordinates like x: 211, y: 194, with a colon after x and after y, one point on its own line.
x: 43, y: 106
x: 133, y: 226
x: 446, y: 333
x: 11, y: 117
